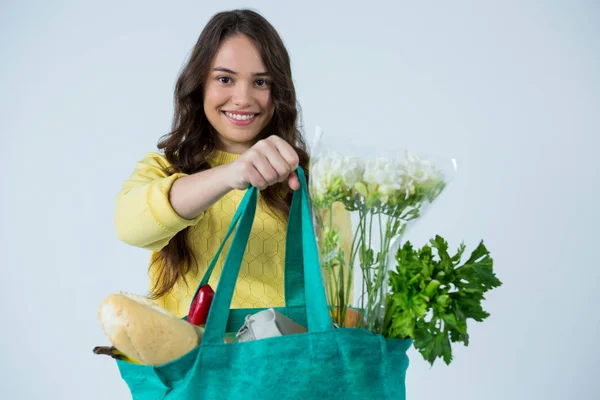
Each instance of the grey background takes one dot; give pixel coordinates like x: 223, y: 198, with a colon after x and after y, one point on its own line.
x: 508, y: 88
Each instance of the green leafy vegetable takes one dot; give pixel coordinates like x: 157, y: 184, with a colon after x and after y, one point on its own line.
x: 432, y: 298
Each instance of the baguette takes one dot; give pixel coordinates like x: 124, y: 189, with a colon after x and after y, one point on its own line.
x: 144, y: 331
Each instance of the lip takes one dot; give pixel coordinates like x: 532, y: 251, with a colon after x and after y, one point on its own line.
x: 240, y: 112
x: 238, y: 122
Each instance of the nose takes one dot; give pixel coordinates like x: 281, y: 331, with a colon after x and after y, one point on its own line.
x: 242, y: 96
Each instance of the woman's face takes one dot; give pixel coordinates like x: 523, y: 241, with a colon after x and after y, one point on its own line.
x: 237, y: 95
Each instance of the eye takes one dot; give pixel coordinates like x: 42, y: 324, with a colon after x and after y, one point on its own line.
x: 262, y: 83
x: 224, y: 79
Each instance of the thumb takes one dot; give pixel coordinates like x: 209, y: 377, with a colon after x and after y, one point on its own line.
x: 293, y: 181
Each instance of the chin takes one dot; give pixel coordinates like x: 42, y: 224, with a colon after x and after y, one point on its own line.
x: 238, y: 139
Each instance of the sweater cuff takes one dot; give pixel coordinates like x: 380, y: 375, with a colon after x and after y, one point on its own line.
x: 160, y: 206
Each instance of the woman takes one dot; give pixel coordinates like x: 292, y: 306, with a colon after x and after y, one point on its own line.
x: 235, y: 125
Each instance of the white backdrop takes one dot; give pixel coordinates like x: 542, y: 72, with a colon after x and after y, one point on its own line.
x: 508, y: 88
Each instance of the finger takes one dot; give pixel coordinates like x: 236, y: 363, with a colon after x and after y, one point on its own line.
x: 256, y: 179
x: 274, y: 157
x: 293, y: 181
x: 287, y: 152
x: 262, y: 165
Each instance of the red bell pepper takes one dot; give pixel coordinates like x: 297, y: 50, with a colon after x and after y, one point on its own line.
x: 201, y: 305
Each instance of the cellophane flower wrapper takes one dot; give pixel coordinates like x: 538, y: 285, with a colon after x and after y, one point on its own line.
x: 364, y: 198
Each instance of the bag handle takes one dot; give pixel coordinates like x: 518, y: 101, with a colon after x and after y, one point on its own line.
x: 314, y: 292
x: 211, y: 267
x: 293, y: 271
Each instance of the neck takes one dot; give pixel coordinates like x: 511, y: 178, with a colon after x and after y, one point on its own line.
x: 228, y: 146
x: 220, y: 157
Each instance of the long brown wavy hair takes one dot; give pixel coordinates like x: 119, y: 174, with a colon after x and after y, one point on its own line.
x: 192, y: 138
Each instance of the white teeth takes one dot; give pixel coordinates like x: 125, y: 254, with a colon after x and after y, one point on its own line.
x: 240, y: 117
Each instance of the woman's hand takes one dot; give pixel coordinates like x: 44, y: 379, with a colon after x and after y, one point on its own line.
x: 269, y: 161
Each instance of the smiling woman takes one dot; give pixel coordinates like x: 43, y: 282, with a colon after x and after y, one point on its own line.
x: 235, y: 126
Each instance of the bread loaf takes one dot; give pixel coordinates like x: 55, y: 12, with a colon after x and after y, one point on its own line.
x: 144, y: 331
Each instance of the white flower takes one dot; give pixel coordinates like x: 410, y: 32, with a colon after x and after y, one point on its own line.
x: 320, y: 176
x: 323, y: 172
x: 326, y: 169
x: 336, y: 165
x: 384, y: 175
x: 389, y: 178
x: 418, y: 171
x: 409, y: 188
x: 352, y: 170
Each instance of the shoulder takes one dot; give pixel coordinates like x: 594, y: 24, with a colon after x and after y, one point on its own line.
x: 156, y: 158
x: 155, y: 164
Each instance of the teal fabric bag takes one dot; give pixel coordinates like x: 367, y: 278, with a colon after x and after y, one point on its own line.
x: 324, y: 363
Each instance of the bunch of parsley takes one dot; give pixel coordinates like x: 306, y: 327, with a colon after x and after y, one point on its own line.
x: 431, y: 297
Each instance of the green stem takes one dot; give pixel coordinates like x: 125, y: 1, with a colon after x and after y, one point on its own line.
x: 431, y: 287
x: 378, y: 295
x: 360, y: 245
x: 327, y: 264
x: 375, y: 297
x: 353, y: 249
x: 368, y: 267
x: 335, y: 291
x: 372, y: 286
x: 363, y: 252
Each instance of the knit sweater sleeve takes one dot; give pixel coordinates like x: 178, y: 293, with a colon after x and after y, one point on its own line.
x: 143, y: 215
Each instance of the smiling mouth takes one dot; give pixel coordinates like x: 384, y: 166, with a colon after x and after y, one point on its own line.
x: 240, y: 117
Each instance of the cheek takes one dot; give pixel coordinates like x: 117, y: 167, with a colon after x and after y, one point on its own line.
x: 266, y: 102
x: 214, y: 97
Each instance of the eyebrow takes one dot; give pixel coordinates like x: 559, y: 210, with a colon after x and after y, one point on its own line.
x: 222, y: 69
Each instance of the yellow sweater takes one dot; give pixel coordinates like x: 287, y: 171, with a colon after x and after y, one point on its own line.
x: 144, y: 218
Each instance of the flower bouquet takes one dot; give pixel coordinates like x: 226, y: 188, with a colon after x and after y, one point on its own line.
x: 363, y: 202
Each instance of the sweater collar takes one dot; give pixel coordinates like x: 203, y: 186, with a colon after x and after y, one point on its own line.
x: 218, y: 157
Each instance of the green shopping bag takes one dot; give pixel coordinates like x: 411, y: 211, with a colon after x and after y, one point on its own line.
x: 324, y: 363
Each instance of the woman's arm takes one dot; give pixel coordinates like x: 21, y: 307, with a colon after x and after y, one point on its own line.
x: 144, y: 216
x: 153, y: 206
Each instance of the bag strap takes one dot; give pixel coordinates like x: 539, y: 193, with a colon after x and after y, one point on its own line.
x: 212, y: 264
x: 314, y: 292
x: 293, y: 271
x: 319, y: 319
